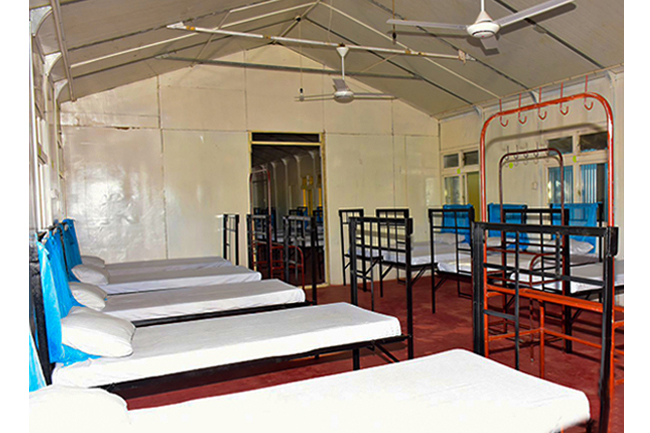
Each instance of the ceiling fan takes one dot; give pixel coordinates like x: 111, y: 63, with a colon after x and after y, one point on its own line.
x: 342, y: 93
x: 485, y: 28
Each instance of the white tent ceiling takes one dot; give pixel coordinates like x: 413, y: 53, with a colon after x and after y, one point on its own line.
x: 111, y: 43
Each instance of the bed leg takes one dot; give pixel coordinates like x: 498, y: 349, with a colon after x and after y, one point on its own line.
x: 356, y: 361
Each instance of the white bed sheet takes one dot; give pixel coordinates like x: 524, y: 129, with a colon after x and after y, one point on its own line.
x: 177, y: 347
x: 134, y: 268
x: 162, y: 280
x: 202, y: 299
x: 454, y: 391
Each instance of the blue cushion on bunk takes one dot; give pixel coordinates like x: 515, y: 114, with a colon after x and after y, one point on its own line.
x: 59, y: 352
x: 453, y: 222
x: 36, y: 378
x: 581, y: 215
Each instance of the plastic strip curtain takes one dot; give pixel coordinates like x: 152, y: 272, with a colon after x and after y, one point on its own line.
x: 554, y: 190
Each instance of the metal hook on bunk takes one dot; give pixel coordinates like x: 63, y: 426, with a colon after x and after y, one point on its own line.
x: 519, y: 113
x: 588, y: 107
x: 564, y: 112
x: 501, y: 117
x: 540, y: 108
x: 537, y: 147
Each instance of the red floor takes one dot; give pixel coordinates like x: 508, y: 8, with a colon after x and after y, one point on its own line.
x: 450, y: 327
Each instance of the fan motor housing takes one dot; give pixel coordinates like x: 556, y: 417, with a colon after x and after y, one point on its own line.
x: 344, y: 96
x: 483, y: 29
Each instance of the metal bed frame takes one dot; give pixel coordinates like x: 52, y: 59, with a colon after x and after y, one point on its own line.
x: 344, y: 222
x: 368, y: 233
x: 437, y: 223
x: 230, y: 239
x: 230, y: 221
x: 152, y: 385
x: 485, y: 288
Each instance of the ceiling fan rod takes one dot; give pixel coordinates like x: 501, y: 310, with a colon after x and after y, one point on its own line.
x: 462, y: 56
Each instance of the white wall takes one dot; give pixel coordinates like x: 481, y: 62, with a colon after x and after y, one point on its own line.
x: 151, y: 164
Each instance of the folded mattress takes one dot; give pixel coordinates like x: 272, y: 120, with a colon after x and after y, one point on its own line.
x: 454, y: 391
x: 162, y: 280
x: 178, y: 347
x: 202, y: 299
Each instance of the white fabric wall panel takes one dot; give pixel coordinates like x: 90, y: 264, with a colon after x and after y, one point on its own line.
x: 358, y: 117
x: 133, y: 105
x: 206, y: 174
x: 115, y: 192
x: 202, y: 109
x: 422, y: 171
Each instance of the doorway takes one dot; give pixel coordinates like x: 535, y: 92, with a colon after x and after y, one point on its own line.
x: 292, y: 184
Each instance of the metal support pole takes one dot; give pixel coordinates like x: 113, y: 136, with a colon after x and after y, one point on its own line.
x: 478, y: 286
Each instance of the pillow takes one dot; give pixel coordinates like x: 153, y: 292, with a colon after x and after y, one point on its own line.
x: 97, y: 333
x: 57, y: 408
x: 90, y: 274
x: 88, y: 295
x: 448, y: 238
x: 93, y: 260
x: 579, y: 247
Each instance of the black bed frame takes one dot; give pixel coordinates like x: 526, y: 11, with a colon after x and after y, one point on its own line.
x: 156, y: 384
x: 381, y: 235
x: 482, y: 312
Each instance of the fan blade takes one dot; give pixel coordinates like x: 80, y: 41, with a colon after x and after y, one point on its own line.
x: 339, y: 84
x: 314, y: 97
x: 530, y: 12
x: 460, y: 27
x: 490, y: 43
x: 373, y: 96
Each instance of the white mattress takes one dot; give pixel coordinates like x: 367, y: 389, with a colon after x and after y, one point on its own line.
x: 592, y: 271
x: 448, y: 264
x: 132, y: 268
x: 162, y: 280
x: 177, y: 347
x: 453, y: 392
x: 202, y: 299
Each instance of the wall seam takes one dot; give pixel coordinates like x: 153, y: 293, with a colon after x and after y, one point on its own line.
x: 162, y: 166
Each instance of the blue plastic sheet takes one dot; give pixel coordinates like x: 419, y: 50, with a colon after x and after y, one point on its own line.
x: 59, y: 352
x: 494, y: 216
x: 580, y: 215
x: 36, y: 378
x: 59, y: 273
x: 455, y: 220
x: 71, y: 244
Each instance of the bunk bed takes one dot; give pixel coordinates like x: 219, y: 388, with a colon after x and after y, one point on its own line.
x: 138, y: 359
x: 508, y: 280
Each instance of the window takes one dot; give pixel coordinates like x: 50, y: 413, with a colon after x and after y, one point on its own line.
x: 592, y: 142
x: 450, y: 161
x: 585, y: 168
x: 453, y: 190
x: 470, y: 158
x: 563, y: 144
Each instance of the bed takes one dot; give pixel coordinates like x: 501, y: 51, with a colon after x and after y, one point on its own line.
x: 188, y: 303
x: 230, y: 253
x: 110, y: 352
x: 454, y: 391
